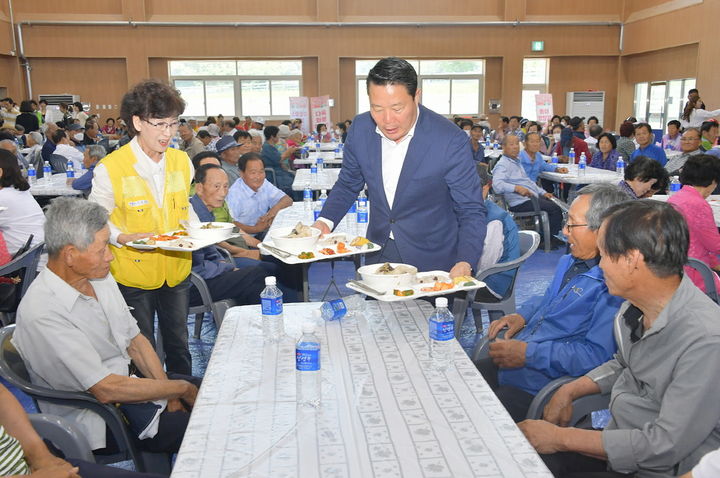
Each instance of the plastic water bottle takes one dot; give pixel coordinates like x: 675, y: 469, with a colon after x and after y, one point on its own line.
x: 323, y: 196
x: 351, y: 219
x: 496, y: 146
x: 307, y: 197
x: 582, y: 165
x: 620, y: 166
x: 571, y: 155
x: 320, y: 168
x: 31, y: 174
x: 362, y: 198
x: 313, y: 174
x: 47, y: 171
x: 333, y: 309
x: 317, y: 144
x: 70, y: 172
x: 442, y: 330
x: 337, y: 152
x: 317, y: 209
x: 554, y: 159
x: 271, y: 300
x: 307, y: 367
x: 362, y: 215
x: 675, y: 185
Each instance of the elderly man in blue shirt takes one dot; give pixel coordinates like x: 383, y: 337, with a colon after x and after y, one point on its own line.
x: 254, y: 201
x: 645, y: 138
x: 511, y: 180
x: 533, y: 162
x: 568, y: 331
x: 92, y: 155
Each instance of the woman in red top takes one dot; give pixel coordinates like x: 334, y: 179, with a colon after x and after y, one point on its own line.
x: 109, y: 127
x: 567, y: 141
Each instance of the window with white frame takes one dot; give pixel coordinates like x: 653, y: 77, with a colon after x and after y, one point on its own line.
x: 237, y: 87
x: 535, y: 81
x: 448, y: 87
x: 658, y: 102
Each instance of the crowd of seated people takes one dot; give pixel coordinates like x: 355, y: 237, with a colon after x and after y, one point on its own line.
x: 567, y: 330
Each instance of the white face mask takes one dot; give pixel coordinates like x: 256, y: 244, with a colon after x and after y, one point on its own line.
x: 338, y: 132
x: 78, y: 136
x: 556, y: 136
x: 467, y: 132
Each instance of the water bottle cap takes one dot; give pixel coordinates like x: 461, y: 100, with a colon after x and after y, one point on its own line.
x: 308, y: 328
x: 323, y: 191
x: 270, y: 280
x: 441, y: 302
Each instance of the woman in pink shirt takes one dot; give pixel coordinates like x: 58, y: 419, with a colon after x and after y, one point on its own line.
x: 700, y: 176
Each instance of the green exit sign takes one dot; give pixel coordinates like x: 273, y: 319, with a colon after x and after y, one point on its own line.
x: 537, y: 45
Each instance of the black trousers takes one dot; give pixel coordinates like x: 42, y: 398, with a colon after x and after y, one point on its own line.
x: 575, y: 465
x: 243, y: 285
x: 171, y: 305
x: 516, y: 401
x: 93, y: 470
x: 553, y: 210
x: 171, y: 428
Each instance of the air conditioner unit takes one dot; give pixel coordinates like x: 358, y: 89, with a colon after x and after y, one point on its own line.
x: 57, y: 99
x: 586, y: 103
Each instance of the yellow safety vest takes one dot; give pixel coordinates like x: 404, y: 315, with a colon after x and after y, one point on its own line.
x: 136, y: 211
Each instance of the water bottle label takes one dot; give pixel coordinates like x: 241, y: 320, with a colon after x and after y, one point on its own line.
x: 581, y: 165
x: 308, y: 194
x: 675, y: 187
x: 334, y: 309
x: 362, y: 217
x: 272, y: 305
x: 313, y: 170
x: 70, y: 174
x: 31, y: 173
x: 316, y: 214
x: 441, y: 331
x: 307, y: 360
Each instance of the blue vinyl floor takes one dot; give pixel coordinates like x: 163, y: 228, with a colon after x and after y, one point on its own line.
x: 534, y: 278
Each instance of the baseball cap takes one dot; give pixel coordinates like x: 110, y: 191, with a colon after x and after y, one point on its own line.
x: 225, y: 143
x: 74, y: 127
x: 283, y: 131
x: 213, y: 129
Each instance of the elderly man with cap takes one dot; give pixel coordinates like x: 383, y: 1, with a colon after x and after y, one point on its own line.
x: 76, y: 133
x: 229, y: 151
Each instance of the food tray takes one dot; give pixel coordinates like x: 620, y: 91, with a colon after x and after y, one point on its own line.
x: 294, y: 259
x: 390, y: 297
x: 183, y: 244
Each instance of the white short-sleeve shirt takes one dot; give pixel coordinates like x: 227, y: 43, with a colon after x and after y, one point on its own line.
x: 70, y: 341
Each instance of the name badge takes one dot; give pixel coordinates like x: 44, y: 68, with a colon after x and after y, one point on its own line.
x: 141, y: 202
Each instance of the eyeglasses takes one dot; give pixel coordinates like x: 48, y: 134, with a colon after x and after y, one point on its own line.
x: 565, y: 224
x: 689, y: 139
x: 162, y: 125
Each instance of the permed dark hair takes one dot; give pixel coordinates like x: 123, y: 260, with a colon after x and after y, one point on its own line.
x: 150, y: 99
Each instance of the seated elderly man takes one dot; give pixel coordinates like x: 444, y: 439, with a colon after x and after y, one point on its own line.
x: 569, y: 330
x: 75, y: 332
x: 224, y: 279
x: 229, y: 151
x: 190, y: 144
x: 690, y: 146
x: 502, y: 243
x: 532, y: 161
x: 664, y: 379
x: 92, y: 155
x: 254, y: 202
x: 63, y: 147
x: 510, y: 180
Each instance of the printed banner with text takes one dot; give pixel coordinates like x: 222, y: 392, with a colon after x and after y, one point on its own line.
x: 320, y: 111
x: 544, y: 107
x: 300, y: 109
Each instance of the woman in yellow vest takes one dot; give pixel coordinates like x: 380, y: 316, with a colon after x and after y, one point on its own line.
x: 145, y: 187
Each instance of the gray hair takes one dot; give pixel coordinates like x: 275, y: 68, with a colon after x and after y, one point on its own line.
x: 72, y: 222
x: 37, y: 137
x: 8, y: 144
x: 604, y: 196
x: 508, y: 136
x: 96, y: 151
